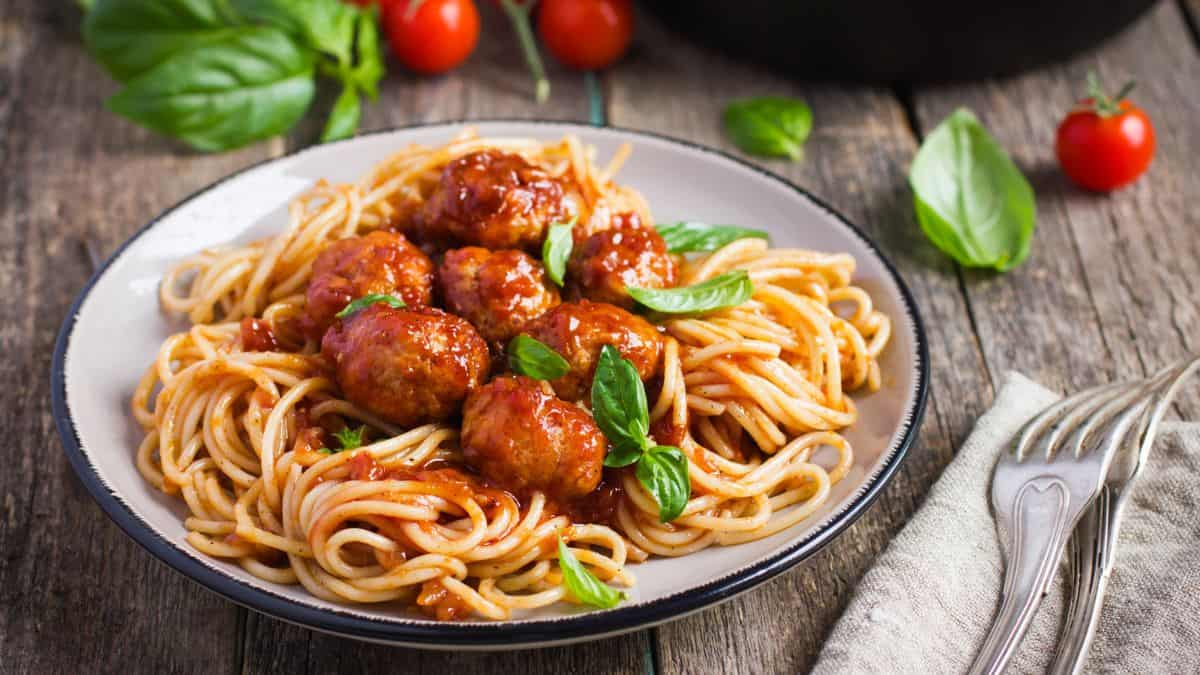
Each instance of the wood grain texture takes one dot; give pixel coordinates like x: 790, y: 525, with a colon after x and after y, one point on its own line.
x: 1110, y: 287
x: 77, y: 594
x: 857, y: 160
x: 492, y: 84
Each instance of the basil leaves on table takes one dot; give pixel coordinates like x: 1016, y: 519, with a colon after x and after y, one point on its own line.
x: 583, y: 584
x: 971, y: 200
x: 368, y: 300
x: 219, y: 74
x: 769, y: 126
x: 692, y: 237
x: 530, y: 357
x: 725, y: 290
x: 556, y: 250
x: 620, y: 410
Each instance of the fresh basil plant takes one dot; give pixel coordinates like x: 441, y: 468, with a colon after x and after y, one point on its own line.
x: 971, y: 200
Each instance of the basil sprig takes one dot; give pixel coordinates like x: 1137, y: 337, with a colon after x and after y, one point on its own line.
x: 620, y: 410
x: 368, y: 300
x: 725, y: 290
x: 532, y: 358
x: 770, y: 126
x: 556, y: 250
x: 348, y: 439
x: 583, y: 584
x: 219, y: 74
x: 971, y: 200
x: 692, y: 237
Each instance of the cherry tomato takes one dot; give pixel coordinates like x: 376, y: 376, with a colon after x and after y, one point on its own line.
x: 436, y: 37
x: 1105, y: 143
x: 586, y: 34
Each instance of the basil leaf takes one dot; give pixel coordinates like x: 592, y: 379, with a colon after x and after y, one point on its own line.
x: 129, y: 37
x: 368, y: 57
x: 971, y: 200
x: 253, y: 84
x: 529, y: 357
x: 619, y: 405
x: 350, y: 438
x: 623, y: 455
x: 368, y: 300
x: 343, y: 119
x: 770, y: 126
x: 663, y: 471
x: 691, y: 237
x: 726, y: 290
x: 583, y: 584
x: 556, y: 250
x: 325, y: 25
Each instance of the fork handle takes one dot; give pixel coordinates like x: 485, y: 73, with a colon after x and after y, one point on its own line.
x: 1040, y: 520
x: 1092, y: 554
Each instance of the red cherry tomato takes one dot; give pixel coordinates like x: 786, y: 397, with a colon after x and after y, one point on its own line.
x: 586, y: 34
x: 1104, y: 143
x: 436, y: 37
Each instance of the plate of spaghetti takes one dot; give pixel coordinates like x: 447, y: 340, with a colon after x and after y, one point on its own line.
x: 490, y: 385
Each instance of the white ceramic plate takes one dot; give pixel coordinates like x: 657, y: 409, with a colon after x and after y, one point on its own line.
x: 115, y: 326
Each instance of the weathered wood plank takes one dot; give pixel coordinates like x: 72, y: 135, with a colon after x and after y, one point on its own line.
x: 492, y: 84
x: 76, y: 595
x: 1110, y: 287
x: 856, y: 159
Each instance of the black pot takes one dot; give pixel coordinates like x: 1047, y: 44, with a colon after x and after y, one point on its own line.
x: 899, y: 42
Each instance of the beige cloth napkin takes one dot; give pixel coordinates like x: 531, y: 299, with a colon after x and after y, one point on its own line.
x: 928, y: 602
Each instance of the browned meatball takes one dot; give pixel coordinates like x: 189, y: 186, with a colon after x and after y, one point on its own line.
x: 409, y: 366
x: 579, y: 330
x: 628, y: 254
x: 381, y: 262
x: 495, y: 200
x: 518, y: 434
x: 498, y: 292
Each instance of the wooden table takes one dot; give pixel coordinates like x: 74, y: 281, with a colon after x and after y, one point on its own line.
x: 1110, y: 290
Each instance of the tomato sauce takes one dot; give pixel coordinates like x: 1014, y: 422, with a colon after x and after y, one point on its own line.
x: 257, y: 336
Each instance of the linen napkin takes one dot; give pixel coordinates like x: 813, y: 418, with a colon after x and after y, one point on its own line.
x: 928, y: 602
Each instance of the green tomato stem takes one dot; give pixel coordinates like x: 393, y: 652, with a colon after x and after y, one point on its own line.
x: 519, y: 14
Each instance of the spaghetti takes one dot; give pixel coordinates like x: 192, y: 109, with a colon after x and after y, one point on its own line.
x: 749, y: 394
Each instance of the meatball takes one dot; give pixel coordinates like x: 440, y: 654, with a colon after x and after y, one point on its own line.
x: 579, y: 330
x: 495, y: 200
x: 629, y: 254
x: 380, y: 262
x: 497, y: 292
x: 517, y: 433
x: 410, y: 366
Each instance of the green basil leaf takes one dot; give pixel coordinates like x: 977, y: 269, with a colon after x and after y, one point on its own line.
x: 368, y: 57
x: 770, y: 126
x: 726, y: 290
x: 663, y: 471
x: 325, y: 25
x: 583, y: 584
x: 350, y: 438
x: 623, y: 455
x: 971, y: 200
x: 254, y: 84
x: 129, y: 37
x: 690, y: 237
x: 619, y: 403
x: 343, y: 119
x: 556, y: 250
x: 368, y: 300
x: 532, y: 358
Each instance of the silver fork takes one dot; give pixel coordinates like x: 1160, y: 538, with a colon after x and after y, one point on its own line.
x: 1092, y: 548
x: 1039, y: 492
